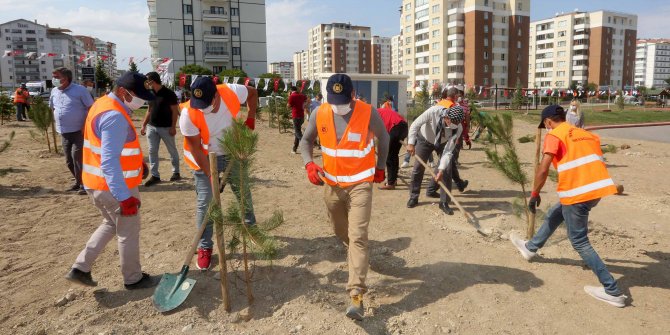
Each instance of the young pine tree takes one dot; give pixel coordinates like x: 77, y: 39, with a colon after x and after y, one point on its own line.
x: 42, y: 117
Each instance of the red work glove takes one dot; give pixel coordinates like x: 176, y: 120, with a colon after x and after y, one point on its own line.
x: 379, y: 175
x: 469, y: 144
x: 130, y: 206
x: 534, y: 201
x: 145, y: 170
x: 251, y: 123
x: 314, y: 173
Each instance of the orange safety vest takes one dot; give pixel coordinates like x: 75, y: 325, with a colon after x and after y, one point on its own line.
x: 582, y: 175
x: 446, y: 103
x: 198, y: 119
x: 387, y: 105
x: 352, y: 160
x: 131, y: 155
x: 21, y: 96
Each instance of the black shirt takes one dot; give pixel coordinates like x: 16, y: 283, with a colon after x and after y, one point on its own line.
x: 161, y: 111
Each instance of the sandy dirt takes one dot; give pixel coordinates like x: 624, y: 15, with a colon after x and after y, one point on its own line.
x: 430, y: 273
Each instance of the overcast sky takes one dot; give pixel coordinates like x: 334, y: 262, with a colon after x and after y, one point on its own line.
x: 124, y: 22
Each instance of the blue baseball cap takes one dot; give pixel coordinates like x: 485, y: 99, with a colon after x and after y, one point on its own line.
x: 550, y: 111
x: 203, y: 90
x: 339, y: 88
x: 137, y: 83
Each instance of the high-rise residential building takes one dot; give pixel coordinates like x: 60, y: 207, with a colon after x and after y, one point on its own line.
x: 216, y: 34
x: 396, y: 54
x: 472, y: 42
x: 339, y: 47
x: 300, y: 65
x: 381, y: 55
x: 578, y: 48
x: 652, y: 63
x: 97, y: 50
x: 284, y: 69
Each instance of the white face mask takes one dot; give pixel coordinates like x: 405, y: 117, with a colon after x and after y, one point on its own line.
x: 207, y: 109
x: 56, y: 82
x: 573, y: 108
x: 341, y: 109
x: 135, y: 103
x: 89, y: 88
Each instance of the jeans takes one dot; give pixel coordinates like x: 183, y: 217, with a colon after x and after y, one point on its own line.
x: 73, y: 144
x: 425, y: 150
x: 297, y: 131
x: 576, y: 219
x: 455, y: 176
x: 397, y: 134
x: 20, y: 112
x: 203, y: 190
x: 154, y: 137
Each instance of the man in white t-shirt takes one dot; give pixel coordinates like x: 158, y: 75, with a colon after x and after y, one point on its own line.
x: 211, y: 111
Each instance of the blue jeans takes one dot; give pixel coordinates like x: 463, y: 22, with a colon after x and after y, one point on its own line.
x: 203, y: 191
x: 576, y: 219
x: 154, y: 137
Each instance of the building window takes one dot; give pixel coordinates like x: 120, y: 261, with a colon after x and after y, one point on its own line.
x: 218, y: 69
x: 191, y: 50
x: 486, y: 42
x: 518, y: 44
x: 502, y: 56
x: 436, y: 20
x: 436, y: 58
x: 218, y: 30
x: 519, y: 7
x: 486, y: 3
x: 486, y: 29
x: 486, y: 15
x: 436, y: 70
x: 486, y: 55
x: 236, y: 51
x: 486, y: 68
x: 235, y: 31
x: 436, y: 9
x: 188, y: 29
x: 234, y: 11
x: 188, y: 9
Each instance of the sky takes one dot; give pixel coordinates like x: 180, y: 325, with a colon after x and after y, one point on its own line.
x: 124, y: 22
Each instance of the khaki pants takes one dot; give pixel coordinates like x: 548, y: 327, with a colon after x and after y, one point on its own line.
x: 349, y: 211
x: 125, y: 228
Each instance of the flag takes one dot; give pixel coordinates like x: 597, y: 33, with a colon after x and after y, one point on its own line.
x: 235, y: 80
x: 257, y: 82
x: 215, y: 79
x: 267, y: 84
x: 104, y: 58
x: 486, y: 93
x: 246, y: 81
x: 302, y: 86
x: 7, y: 53
x: 311, y: 84
x: 287, y: 83
x: 143, y: 59
x: 276, y: 85
x: 82, y: 58
x: 182, y: 80
x: 225, y: 80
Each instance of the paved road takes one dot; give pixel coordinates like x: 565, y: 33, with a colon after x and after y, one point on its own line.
x: 656, y: 134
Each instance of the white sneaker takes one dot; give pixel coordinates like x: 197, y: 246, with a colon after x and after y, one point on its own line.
x: 404, y: 164
x: 599, y: 293
x: 521, y: 246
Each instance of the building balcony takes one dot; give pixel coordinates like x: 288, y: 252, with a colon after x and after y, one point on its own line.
x: 580, y: 57
x: 216, y: 56
x: 580, y: 78
x: 455, y: 62
x: 455, y: 50
x: 581, y: 26
x: 454, y: 24
x: 580, y: 67
x: 581, y: 36
x: 455, y: 37
x: 209, y: 36
x: 214, y: 16
x: 581, y: 47
x: 455, y: 75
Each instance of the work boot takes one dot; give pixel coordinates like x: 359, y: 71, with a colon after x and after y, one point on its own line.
x: 433, y: 194
x: 387, y: 186
x: 599, y: 293
x: 204, y: 259
x: 81, y: 191
x: 175, y: 177
x: 356, y: 310
x: 412, y: 202
x: 80, y: 277
x: 444, y: 206
x: 521, y: 246
x: 145, y: 282
x: 152, y: 181
x: 462, y: 185
x: 74, y: 188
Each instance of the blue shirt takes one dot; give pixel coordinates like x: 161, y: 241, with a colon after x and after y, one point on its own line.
x: 70, y: 107
x: 114, y: 132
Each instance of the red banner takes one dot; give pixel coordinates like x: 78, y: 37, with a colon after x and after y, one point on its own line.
x: 302, y: 86
x: 276, y: 86
x: 182, y: 80
x: 246, y: 81
x: 81, y: 58
x: 216, y: 80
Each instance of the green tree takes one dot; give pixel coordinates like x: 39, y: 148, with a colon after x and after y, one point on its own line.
x: 41, y: 115
x: 667, y: 82
x: 591, y: 87
x: 133, y: 67
x: 102, y: 78
x: 6, y: 143
x: 421, y: 102
x: 619, y: 102
x: 517, y: 99
x: 6, y: 108
x: 231, y: 73
x: 191, y: 69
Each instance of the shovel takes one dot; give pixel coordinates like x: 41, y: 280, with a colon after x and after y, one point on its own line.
x: 173, y: 289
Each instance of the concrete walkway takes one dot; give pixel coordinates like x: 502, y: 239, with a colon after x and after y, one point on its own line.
x: 656, y: 134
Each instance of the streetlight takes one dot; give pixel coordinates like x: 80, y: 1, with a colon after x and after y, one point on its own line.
x: 172, y: 46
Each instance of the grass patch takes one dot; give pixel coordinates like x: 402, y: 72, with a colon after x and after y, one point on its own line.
x: 594, y: 116
x: 610, y: 148
x: 527, y: 139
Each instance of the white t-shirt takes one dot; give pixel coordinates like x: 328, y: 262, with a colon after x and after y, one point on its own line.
x: 217, y: 122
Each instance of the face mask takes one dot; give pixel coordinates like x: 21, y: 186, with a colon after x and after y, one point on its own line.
x: 208, y: 109
x: 56, y: 82
x: 89, y: 88
x: 573, y: 108
x: 135, y: 103
x: 453, y: 126
x: 341, y: 109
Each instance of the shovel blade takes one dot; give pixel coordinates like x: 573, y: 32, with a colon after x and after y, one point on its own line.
x: 172, y: 291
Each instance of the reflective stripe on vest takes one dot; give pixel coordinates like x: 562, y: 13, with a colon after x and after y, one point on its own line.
x: 96, y: 171
x: 582, y: 175
x: 125, y: 152
x: 351, y: 160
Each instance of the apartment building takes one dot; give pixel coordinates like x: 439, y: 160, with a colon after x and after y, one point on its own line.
x: 284, y: 69
x: 97, y: 50
x: 652, y: 63
x: 216, y: 34
x: 396, y: 54
x: 339, y: 47
x: 580, y: 48
x: 472, y: 42
x: 300, y: 65
x: 381, y: 55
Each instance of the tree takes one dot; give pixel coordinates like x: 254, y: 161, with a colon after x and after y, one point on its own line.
x: 41, y: 115
x: 6, y: 108
x: 102, y: 78
x: 517, y: 99
x: 619, y: 102
x: 133, y: 67
x: 667, y: 82
x: 591, y: 87
x: 421, y: 102
x: 231, y: 73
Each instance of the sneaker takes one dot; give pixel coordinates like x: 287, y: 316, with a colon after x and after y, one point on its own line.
x: 356, y: 310
x: 294, y: 152
x: 74, y: 188
x: 175, y: 177
x: 404, y: 164
x: 446, y: 209
x: 80, y: 277
x: 433, y: 194
x: 521, y: 246
x: 81, y: 191
x: 204, y: 259
x: 412, y: 202
x: 462, y: 185
x: 146, y: 281
x: 152, y: 181
x: 599, y: 293
x: 387, y: 186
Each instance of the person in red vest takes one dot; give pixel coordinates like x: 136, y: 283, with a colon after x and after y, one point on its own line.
x: 203, y: 121
x: 582, y: 181
x: 296, y: 102
x: 347, y: 128
x: 397, y: 128
x: 21, y: 100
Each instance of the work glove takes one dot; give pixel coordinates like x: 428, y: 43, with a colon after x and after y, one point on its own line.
x: 145, y: 170
x: 251, y: 123
x: 314, y: 173
x: 469, y: 144
x: 380, y: 175
x: 534, y: 201
x: 129, y: 207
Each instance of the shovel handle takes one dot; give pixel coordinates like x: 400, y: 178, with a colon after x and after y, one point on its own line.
x: 530, y: 230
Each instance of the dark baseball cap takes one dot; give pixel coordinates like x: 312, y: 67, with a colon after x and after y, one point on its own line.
x: 137, y: 83
x: 339, y: 88
x: 550, y: 111
x: 203, y: 90
x: 155, y: 77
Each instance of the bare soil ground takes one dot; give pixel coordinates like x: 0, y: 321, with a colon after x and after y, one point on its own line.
x: 430, y: 273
